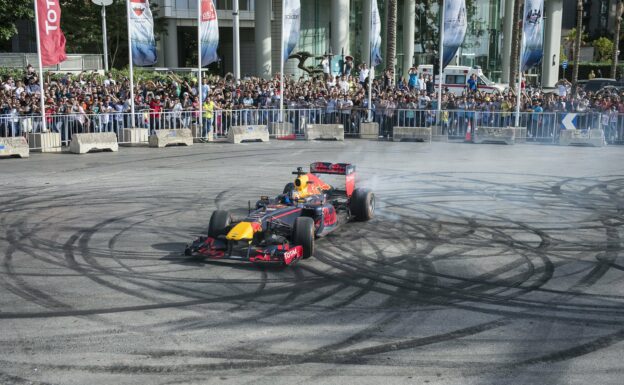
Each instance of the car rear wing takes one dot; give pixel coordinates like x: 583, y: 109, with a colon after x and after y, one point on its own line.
x: 346, y: 169
x: 332, y: 168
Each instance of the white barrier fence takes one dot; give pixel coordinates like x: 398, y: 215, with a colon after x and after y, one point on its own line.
x: 448, y: 125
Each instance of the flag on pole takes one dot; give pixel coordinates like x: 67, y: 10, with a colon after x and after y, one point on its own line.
x: 51, y: 38
x: 532, y: 36
x: 455, y: 24
x: 291, y: 25
x: 209, y: 33
x: 142, y: 33
x: 375, y: 34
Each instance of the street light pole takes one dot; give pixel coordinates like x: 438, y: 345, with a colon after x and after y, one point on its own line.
x: 104, y: 38
x: 104, y: 4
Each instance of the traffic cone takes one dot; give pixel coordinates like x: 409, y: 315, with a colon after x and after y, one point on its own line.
x: 468, y: 137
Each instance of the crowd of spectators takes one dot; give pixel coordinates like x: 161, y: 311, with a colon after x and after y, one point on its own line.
x: 88, y: 102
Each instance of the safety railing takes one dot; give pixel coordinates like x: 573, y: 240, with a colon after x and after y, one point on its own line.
x: 543, y: 127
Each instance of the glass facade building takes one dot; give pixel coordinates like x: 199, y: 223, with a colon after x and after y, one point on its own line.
x: 339, y: 27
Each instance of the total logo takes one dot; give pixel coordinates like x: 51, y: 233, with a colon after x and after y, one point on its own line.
x: 290, y: 255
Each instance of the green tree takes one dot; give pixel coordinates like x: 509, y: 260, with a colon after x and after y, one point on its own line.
x: 392, y: 31
x: 603, y: 49
x: 10, y: 12
x: 577, y: 41
x: 616, y: 38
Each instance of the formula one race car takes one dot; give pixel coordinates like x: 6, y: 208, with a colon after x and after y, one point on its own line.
x: 282, y: 230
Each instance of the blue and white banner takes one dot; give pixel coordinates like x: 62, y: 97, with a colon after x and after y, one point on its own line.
x: 209, y: 33
x: 455, y: 24
x: 375, y: 34
x: 141, y: 26
x: 291, y: 25
x: 532, y: 36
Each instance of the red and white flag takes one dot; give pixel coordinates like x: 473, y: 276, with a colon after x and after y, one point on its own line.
x: 51, y: 38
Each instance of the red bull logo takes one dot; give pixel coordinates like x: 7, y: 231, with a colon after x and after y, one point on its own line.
x: 138, y: 6
x: 208, y: 12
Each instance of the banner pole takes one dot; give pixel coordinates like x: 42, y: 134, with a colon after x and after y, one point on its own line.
x: 371, y: 72
x: 519, y: 93
x: 199, y: 67
x: 44, y: 127
x: 440, y: 70
x: 281, y: 119
x: 128, y: 10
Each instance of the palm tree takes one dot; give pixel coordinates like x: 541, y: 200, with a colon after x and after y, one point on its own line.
x: 616, y: 38
x: 392, y: 28
x: 577, y: 43
x: 516, y: 41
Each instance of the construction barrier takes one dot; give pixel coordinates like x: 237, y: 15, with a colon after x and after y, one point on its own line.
x: 14, y: 146
x: 283, y: 131
x: 45, y: 142
x: 133, y: 136
x: 415, y: 134
x: 324, y: 131
x: 594, y: 137
x: 196, y: 130
x: 505, y: 135
x: 369, y: 130
x: 100, y: 141
x: 175, y: 137
x: 238, y: 134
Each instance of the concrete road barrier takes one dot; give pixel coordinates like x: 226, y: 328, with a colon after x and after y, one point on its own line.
x: 521, y: 134
x: 132, y: 136
x: 197, y: 134
x: 238, y: 134
x: 417, y: 134
x: 324, y: 131
x: 17, y: 146
x: 505, y: 135
x: 164, y: 138
x: 283, y: 130
x: 45, y: 142
x: 594, y: 137
x: 99, y: 141
x: 369, y: 130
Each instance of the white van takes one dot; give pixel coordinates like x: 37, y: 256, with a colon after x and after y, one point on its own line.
x: 456, y: 77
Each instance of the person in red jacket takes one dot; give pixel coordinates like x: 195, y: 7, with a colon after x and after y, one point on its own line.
x: 155, y: 112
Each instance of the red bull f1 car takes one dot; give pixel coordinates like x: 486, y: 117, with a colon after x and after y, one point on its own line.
x: 282, y: 230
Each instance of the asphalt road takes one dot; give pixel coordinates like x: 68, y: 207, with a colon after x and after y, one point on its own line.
x: 485, y: 264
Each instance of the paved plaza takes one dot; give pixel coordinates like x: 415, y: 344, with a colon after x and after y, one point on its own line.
x: 484, y: 264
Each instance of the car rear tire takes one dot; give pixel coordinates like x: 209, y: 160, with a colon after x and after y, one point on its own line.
x: 303, y: 235
x: 219, y: 221
x: 362, y: 204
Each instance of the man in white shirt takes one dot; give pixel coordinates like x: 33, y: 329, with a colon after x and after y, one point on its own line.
x: 344, y: 84
x: 326, y: 69
x: 364, y: 71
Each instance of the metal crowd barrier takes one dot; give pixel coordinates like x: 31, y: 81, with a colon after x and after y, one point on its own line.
x: 449, y: 124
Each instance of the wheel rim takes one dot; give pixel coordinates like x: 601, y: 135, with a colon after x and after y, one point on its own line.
x: 371, y: 205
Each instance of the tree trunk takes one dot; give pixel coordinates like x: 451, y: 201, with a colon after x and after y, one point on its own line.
x: 515, y: 44
x: 391, y: 32
x: 616, y: 39
x: 577, y: 43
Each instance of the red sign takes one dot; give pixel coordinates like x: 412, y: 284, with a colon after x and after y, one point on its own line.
x: 51, y: 37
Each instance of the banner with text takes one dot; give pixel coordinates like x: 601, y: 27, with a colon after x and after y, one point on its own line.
x: 375, y: 35
x: 291, y: 25
x: 532, y: 36
x: 455, y: 24
x: 209, y: 33
x: 51, y: 38
x: 142, y: 33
